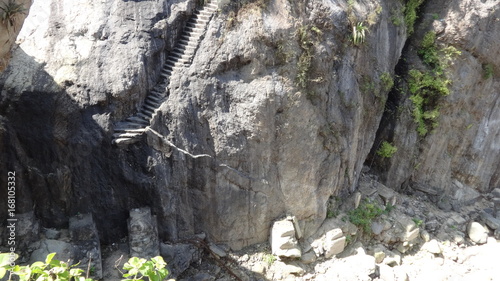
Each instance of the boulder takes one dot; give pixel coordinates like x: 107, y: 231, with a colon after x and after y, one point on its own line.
x: 283, y: 241
x: 179, y: 256
x: 432, y: 247
x: 477, y: 233
x: 308, y: 257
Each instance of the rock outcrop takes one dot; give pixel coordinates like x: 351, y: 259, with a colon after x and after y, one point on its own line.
x: 280, y: 97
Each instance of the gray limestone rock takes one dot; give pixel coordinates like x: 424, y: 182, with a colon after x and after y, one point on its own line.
x: 490, y: 221
x: 143, y: 234
x: 86, y: 243
x: 477, y: 233
x: 283, y: 241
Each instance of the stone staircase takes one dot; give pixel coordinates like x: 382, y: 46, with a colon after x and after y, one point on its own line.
x: 131, y: 129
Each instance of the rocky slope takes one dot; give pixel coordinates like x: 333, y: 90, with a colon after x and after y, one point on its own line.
x: 280, y: 95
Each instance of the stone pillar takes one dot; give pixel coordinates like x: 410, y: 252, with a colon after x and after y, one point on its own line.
x: 86, y: 244
x: 143, y: 234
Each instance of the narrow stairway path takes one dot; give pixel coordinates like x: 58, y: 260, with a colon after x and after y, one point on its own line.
x: 131, y: 129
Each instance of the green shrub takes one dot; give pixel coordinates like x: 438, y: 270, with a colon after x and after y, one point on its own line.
x: 426, y: 88
x: 365, y: 213
x: 358, y: 33
x: 54, y: 270
x: 428, y: 51
x: 269, y: 258
x: 306, y: 36
x: 386, y: 81
x: 386, y: 150
x: 487, y: 71
x: 411, y: 14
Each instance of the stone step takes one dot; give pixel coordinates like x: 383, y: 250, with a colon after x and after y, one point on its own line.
x: 172, y: 68
x: 128, y: 130
x: 193, y: 41
x: 126, y: 135
x: 180, y: 55
x: 157, y: 99
x: 138, y: 120
x: 201, y: 18
x: 147, y: 111
x: 144, y: 116
x: 192, y: 44
x: 125, y: 141
x: 194, y: 29
x: 203, y: 12
x: 204, y: 15
x: 128, y: 126
x: 155, y: 92
x: 177, y: 60
x: 147, y: 106
x: 152, y: 103
x: 194, y: 24
x: 192, y: 33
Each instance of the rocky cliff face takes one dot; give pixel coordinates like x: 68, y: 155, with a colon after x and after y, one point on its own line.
x: 279, y: 93
x: 462, y: 153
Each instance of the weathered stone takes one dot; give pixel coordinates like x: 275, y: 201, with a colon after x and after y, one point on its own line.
x: 178, y: 257
x: 51, y: 233
x: 425, y: 235
x: 388, y: 195
x: 334, y: 247
x: 143, y: 234
x: 432, y: 247
x: 289, y: 268
x: 202, y: 276
x: 377, y: 227
x: 27, y: 229
x: 217, y: 250
x: 411, y: 235
x: 477, y: 233
x: 308, y: 257
x: 64, y: 251
x: 86, y: 243
x: 379, y: 255
x: 495, y: 193
x: 283, y: 241
x: 357, y: 199
x: 259, y: 267
x: 392, y: 259
x: 496, y: 234
x: 357, y: 267
x: 490, y: 221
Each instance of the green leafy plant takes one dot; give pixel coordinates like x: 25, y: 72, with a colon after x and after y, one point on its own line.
x: 269, y: 258
x: 386, y: 150
x: 386, y: 81
x: 426, y: 88
x: 411, y: 16
x: 138, y: 269
x: 348, y: 239
x: 55, y: 270
x: 364, y: 214
x: 10, y: 10
x: 358, y: 33
x: 428, y: 50
x: 50, y: 270
x: 487, y: 71
x: 418, y: 222
x: 305, y: 37
x: 396, y: 17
